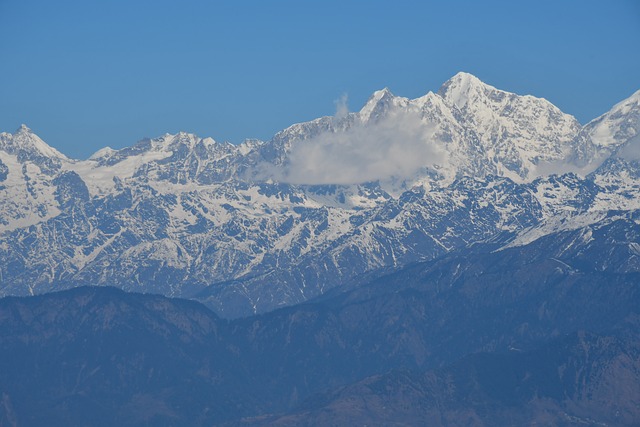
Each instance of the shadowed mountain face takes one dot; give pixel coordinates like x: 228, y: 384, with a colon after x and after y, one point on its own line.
x: 102, y: 357
x: 481, y: 336
x: 579, y: 379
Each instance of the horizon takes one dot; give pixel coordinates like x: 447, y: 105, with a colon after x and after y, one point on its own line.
x: 87, y: 77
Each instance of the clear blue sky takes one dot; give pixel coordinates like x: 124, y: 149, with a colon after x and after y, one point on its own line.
x: 86, y: 74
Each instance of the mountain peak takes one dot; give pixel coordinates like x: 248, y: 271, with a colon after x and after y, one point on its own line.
x: 23, y: 129
x: 24, y: 139
x: 102, y: 153
x: 378, y: 103
x: 465, y: 77
x: 618, y: 126
x: 380, y: 96
x: 462, y: 87
x: 626, y: 105
x: 383, y: 92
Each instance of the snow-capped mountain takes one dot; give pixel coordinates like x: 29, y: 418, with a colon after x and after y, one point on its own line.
x: 28, y: 167
x: 264, y: 224
x: 519, y: 134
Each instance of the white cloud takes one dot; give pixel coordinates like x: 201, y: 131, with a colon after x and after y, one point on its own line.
x: 394, y: 147
x: 342, y: 107
x: 631, y: 149
x: 560, y: 167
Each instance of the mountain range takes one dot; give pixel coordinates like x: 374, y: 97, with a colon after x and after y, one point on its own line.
x: 467, y: 258
x: 324, y: 205
x: 546, y: 333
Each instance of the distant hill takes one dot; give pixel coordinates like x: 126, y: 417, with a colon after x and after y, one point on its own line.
x: 545, y: 332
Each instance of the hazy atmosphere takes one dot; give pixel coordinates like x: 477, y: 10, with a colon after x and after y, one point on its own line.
x: 331, y: 213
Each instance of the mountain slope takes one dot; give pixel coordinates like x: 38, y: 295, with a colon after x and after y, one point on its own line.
x: 580, y: 379
x: 96, y: 355
x: 519, y: 133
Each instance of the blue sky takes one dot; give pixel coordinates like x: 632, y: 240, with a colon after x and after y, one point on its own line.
x: 87, y: 74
